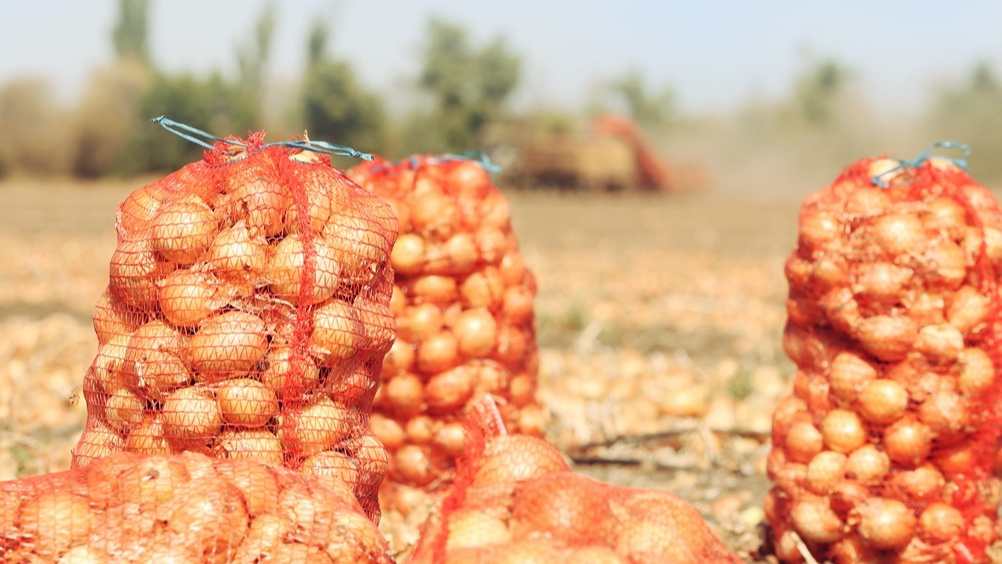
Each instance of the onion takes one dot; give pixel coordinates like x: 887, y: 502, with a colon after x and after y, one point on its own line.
x: 945, y: 413
x: 284, y: 372
x: 244, y: 402
x: 967, y: 309
x: 789, y: 410
x: 843, y: 431
x: 841, y: 308
x: 148, y: 437
x: 476, y: 333
x: 319, y: 426
x: 399, y: 359
x: 191, y: 416
x: 183, y: 229
x: 819, y: 229
x: 187, y: 297
x: 213, y: 520
x: 824, y: 470
x: 256, y: 482
x: 517, y: 305
x: 408, y: 255
x: 828, y: 272
x: 228, y: 345
x: 814, y: 521
x: 139, y: 208
x: 354, y: 388
x: 434, y: 215
x: 361, y: 246
x: 846, y: 495
x: 373, y: 463
x: 260, y: 203
x: 922, y: 484
x: 236, y: 254
x: 977, y: 372
x: 55, y: 520
x: 887, y: 337
x: 867, y: 201
x: 337, y: 332
x: 134, y: 272
x: 251, y: 444
x: 286, y: 272
x: 883, y: 401
x: 318, y: 208
x: 404, y: 394
x: 512, y: 268
x: 412, y: 465
x: 956, y: 461
x: 945, y: 263
x: 151, y: 482
x: 334, y: 466
x: 109, y: 369
x: 803, y: 442
x: 123, y: 409
x: 388, y: 431
x: 154, y: 359
x: 867, y: 465
x: 421, y: 429
x: 494, y: 211
x: 484, y: 288
x: 513, y: 458
x: 491, y: 243
x: 419, y: 321
x: 907, y: 442
x: 437, y: 352
x: 898, y: 233
x: 379, y: 326
x: 881, y: 281
x: 448, y: 391
x: 434, y: 288
x: 451, y: 439
x: 886, y: 523
x: 532, y: 420
x: 945, y: 215
x: 113, y: 317
x: 940, y: 522
x: 940, y: 343
x: 472, y: 528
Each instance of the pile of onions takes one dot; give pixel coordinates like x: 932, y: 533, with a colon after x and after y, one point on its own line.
x: 886, y: 447
x: 246, y: 316
x: 516, y: 500
x: 184, y: 508
x: 463, y: 301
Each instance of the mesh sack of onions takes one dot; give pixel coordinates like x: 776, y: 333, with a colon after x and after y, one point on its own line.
x: 246, y: 316
x: 886, y: 448
x: 515, y: 500
x: 184, y: 507
x: 463, y: 301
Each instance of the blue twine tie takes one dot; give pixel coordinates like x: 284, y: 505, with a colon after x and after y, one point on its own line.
x: 924, y: 156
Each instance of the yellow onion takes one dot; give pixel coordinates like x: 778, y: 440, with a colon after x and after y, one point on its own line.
x: 135, y: 270
x: 251, y: 444
x: 337, y: 332
x: 886, y: 523
x: 286, y: 271
x: 227, y: 345
x: 360, y: 245
x: 236, y: 254
x: 183, y: 229
x: 260, y: 203
x: 187, y: 297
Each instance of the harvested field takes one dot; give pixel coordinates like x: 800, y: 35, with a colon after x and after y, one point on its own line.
x: 659, y: 327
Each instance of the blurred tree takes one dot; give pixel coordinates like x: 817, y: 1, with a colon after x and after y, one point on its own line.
x: 130, y: 35
x: 210, y: 104
x: 819, y: 94
x: 336, y: 107
x: 972, y: 113
x: 252, y: 58
x: 32, y: 129
x: 653, y: 111
x: 469, y: 86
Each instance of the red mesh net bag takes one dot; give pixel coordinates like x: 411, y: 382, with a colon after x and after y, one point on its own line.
x: 246, y: 316
x: 516, y: 500
x: 463, y: 300
x: 886, y: 448
x: 184, y: 508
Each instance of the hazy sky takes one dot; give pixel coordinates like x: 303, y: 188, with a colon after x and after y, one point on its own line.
x: 713, y: 53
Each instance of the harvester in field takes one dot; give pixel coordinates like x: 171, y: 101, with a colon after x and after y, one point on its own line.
x: 607, y: 154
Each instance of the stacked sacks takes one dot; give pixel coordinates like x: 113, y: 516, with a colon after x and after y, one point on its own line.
x: 463, y: 300
x: 886, y: 447
x: 246, y: 316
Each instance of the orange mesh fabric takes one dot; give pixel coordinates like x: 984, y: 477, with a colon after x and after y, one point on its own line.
x: 463, y: 299
x: 886, y: 448
x: 515, y: 500
x: 246, y: 316
x: 184, y: 508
